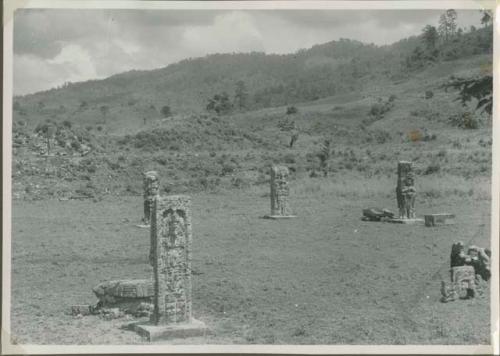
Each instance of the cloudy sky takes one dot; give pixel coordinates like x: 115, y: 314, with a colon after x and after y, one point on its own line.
x: 55, y: 46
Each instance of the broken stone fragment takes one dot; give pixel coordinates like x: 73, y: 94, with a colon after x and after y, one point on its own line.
x: 84, y: 309
x: 376, y: 214
x: 132, y: 296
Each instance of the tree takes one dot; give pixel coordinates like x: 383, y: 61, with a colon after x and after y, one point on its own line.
x: 430, y: 36
x: 47, y: 129
x: 479, y: 88
x: 324, y: 156
x: 294, y: 137
x: 241, y: 95
x: 104, y: 111
x: 487, y: 18
x: 220, y: 104
x: 165, y: 111
x: 448, y: 24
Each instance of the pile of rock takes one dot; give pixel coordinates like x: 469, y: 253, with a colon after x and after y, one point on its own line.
x: 468, y: 271
x: 130, y: 296
x: 376, y: 214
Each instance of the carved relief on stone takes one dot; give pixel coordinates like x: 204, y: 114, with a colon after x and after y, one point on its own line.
x: 467, y: 269
x: 405, y: 190
x: 280, y: 191
x: 151, y: 190
x: 171, y: 242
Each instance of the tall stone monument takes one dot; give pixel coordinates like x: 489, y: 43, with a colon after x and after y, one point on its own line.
x: 171, y: 239
x: 280, y: 191
x: 405, y: 194
x: 151, y: 190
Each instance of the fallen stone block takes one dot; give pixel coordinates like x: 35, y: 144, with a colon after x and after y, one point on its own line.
x: 376, y: 214
x: 132, y: 296
x: 83, y: 309
x: 439, y: 219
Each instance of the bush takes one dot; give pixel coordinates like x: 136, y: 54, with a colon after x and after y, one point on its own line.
x: 429, y: 94
x: 464, y: 120
x: 432, y: 168
x: 289, y: 158
x: 286, y: 124
x: 76, y: 145
x: 379, y: 109
x: 291, y: 110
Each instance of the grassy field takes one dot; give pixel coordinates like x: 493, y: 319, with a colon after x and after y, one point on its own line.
x: 325, y: 277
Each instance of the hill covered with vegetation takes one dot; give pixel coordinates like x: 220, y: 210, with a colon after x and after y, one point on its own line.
x: 219, y: 121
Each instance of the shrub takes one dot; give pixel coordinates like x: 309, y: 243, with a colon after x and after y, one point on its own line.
x: 464, y: 120
x: 432, y: 168
x: 286, y: 124
x: 429, y: 94
x: 289, y: 158
x: 379, y: 109
x: 75, y: 145
x: 291, y: 110
x: 227, y: 168
x: 442, y: 153
x: 161, y: 160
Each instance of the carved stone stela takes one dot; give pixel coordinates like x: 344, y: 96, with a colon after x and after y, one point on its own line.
x: 280, y: 192
x: 171, y: 238
x: 405, y: 194
x: 405, y: 190
x: 151, y: 190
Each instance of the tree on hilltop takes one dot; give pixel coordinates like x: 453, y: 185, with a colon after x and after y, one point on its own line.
x: 241, y: 95
x: 165, y: 111
x: 487, y: 18
x: 220, y: 104
x: 104, y: 111
x: 430, y: 36
x: 448, y: 24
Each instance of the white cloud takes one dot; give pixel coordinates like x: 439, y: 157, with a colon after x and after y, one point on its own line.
x: 77, y: 62
x: 230, y: 32
x: 55, y: 46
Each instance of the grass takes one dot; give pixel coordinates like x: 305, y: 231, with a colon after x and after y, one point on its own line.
x: 325, y: 277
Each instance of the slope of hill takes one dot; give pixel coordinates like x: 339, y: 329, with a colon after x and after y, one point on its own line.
x: 373, y: 109
x: 128, y: 100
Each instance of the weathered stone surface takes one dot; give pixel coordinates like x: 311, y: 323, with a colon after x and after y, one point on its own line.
x: 82, y: 309
x: 131, y: 296
x: 280, y: 192
x: 439, y: 219
x: 405, y: 190
x: 125, y: 288
x: 376, y: 214
x: 171, y: 239
x: 151, y: 190
x: 462, y: 286
x: 478, y: 258
x: 467, y: 270
x: 179, y: 330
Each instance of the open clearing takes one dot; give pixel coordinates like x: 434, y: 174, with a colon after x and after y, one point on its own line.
x: 325, y: 277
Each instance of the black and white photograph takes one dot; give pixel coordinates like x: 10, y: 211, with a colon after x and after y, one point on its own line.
x: 250, y: 176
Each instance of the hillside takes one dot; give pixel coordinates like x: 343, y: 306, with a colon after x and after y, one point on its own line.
x: 127, y: 100
x: 370, y: 101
